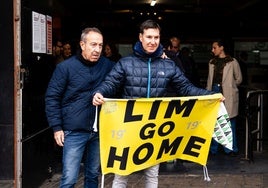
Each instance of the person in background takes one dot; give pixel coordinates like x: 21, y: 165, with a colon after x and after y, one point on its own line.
x: 189, y: 66
x: 173, y: 55
x: 175, y: 45
x: 66, y: 50
x: 187, y: 62
x: 111, y: 52
x: 57, y: 52
x: 145, y: 74
x: 70, y: 112
x: 224, y: 75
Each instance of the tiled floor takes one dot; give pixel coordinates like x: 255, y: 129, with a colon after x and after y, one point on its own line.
x: 224, y: 172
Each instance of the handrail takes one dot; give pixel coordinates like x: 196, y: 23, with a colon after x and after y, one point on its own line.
x: 34, y: 135
x: 259, y: 129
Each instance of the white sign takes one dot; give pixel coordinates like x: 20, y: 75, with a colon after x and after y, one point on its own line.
x: 38, y: 33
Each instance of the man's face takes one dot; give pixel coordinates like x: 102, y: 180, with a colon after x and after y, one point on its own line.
x: 67, y: 51
x: 92, y: 47
x: 150, y: 39
x: 58, y: 48
x: 107, y: 51
x: 175, y: 45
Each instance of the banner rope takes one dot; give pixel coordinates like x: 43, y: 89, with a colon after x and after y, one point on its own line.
x: 206, y: 177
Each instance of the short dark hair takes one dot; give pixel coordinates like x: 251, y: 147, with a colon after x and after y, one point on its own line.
x: 226, y: 43
x: 149, y: 24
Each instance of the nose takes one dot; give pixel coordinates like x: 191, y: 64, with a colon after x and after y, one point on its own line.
x: 98, y: 48
x: 153, y: 40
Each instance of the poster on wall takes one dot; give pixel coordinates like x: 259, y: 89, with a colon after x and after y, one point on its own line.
x: 49, y: 34
x: 39, y: 33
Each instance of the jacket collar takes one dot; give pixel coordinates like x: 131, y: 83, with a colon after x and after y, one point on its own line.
x: 139, y: 51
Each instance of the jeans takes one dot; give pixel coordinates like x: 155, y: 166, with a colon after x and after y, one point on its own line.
x: 75, y: 145
x: 151, y: 178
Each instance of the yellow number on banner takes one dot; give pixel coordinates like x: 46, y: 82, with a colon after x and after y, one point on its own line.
x: 118, y: 134
x: 193, y: 125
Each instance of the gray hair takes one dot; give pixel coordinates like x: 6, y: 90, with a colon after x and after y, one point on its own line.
x: 87, y: 30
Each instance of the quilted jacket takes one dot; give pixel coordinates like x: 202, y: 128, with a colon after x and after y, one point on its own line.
x: 69, y: 93
x: 142, y: 75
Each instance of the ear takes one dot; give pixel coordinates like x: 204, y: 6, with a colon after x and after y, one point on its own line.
x: 82, y: 45
x: 140, y: 37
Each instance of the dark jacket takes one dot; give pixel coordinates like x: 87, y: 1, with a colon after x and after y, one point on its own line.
x: 141, y: 75
x: 69, y: 93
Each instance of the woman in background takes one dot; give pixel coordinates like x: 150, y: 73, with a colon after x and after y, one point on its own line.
x: 224, y: 76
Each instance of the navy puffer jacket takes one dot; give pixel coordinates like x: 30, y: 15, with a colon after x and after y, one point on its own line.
x: 141, y: 75
x: 69, y: 93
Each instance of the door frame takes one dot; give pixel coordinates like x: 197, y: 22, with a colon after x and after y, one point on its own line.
x: 18, y: 84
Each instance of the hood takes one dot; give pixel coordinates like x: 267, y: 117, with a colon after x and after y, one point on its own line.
x: 139, y: 51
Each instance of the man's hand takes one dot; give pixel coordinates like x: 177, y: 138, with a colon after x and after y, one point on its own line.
x: 59, y: 137
x: 97, y: 99
x: 164, y: 56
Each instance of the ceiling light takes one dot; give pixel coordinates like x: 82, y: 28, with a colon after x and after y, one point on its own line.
x: 153, y: 2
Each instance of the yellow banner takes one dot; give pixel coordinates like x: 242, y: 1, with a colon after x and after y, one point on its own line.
x: 138, y: 133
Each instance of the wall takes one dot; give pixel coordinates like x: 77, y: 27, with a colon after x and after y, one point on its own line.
x: 6, y: 90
